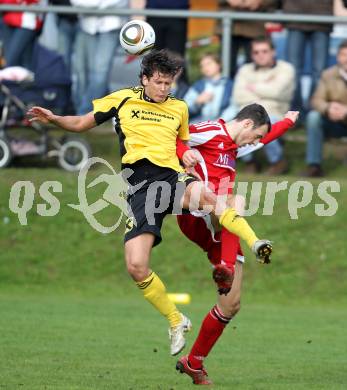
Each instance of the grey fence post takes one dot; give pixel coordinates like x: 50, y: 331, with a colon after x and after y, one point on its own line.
x: 226, y: 44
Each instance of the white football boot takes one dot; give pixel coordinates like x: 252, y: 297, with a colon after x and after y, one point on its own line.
x: 177, y: 334
x: 262, y: 250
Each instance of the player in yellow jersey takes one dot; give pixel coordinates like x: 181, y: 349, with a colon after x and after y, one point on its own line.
x: 148, y: 121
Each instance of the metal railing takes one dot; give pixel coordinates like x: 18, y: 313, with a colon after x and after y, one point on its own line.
x: 227, y: 18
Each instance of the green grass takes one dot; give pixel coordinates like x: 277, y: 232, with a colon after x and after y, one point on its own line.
x: 66, y: 342
x: 71, y: 318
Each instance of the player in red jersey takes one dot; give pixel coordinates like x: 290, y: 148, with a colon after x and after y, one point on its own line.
x: 217, y: 153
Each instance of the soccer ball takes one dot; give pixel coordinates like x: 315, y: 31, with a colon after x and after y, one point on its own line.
x: 137, y: 37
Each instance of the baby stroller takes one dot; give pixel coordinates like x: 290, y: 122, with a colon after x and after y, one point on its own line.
x: 51, y: 89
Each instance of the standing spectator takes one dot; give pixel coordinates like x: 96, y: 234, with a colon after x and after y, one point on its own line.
x: 269, y: 82
x: 244, y: 31
x: 20, y: 32
x: 96, y: 44
x: 329, y: 114
x: 171, y: 33
x: 302, y: 35
x: 210, y: 95
x: 339, y: 32
x: 67, y: 25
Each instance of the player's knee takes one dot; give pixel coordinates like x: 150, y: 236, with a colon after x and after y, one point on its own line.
x: 201, y: 195
x: 231, y: 309
x: 136, y: 270
x: 239, y: 205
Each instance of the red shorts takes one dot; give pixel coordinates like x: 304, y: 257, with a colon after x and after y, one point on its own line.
x: 223, y: 247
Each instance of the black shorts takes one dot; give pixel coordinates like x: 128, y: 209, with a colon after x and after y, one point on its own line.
x: 155, y: 192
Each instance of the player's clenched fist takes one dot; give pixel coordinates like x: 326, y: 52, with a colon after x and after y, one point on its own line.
x: 190, y: 159
x: 292, y: 115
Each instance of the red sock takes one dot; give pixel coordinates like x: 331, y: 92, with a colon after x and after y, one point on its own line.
x: 211, y: 329
x: 230, y: 245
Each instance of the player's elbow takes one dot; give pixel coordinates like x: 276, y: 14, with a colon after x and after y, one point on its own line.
x: 82, y: 125
x: 84, y: 122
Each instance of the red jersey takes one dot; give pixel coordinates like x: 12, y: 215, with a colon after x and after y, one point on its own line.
x: 218, y: 151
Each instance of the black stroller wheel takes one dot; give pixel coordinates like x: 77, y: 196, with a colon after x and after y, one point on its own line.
x: 73, y: 154
x: 5, y: 153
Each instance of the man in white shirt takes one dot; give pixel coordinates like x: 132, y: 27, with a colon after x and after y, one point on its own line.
x: 271, y: 83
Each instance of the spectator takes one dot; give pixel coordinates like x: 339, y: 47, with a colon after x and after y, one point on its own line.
x: 20, y: 31
x: 171, y: 33
x: 340, y: 9
x: 314, y: 35
x: 96, y: 44
x: 269, y: 82
x: 67, y: 25
x: 210, y: 95
x: 179, y: 87
x: 329, y: 114
x: 339, y: 32
x: 244, y: 31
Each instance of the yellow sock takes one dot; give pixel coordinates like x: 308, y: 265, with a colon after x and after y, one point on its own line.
x: 154, y: 291
x: 238, y: 225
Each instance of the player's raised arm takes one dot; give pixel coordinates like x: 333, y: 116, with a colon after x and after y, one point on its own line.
x: 75, y: 124
x: 279, y: 128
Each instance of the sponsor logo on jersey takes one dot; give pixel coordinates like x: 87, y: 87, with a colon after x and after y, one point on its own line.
x: 221, y: 145
x: 135, y: 114
x: 224, y: 160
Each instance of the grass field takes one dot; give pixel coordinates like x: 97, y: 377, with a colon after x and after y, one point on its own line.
x: 70, y: 318
x: 70, y: 342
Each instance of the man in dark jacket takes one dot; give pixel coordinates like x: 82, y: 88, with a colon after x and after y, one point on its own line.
x: 171, y: 33
x: 301, y: 35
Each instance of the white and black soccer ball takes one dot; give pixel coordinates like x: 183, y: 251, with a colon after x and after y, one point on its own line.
x: 137, y: 37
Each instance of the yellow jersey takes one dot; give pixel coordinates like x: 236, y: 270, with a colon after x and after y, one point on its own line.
x: 146, y: 129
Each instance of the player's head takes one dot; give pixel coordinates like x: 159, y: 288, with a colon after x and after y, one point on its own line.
x: 158, y: 70
x: 252, y: 124
x: 263, y: 52
x: 342, y: 55
x: 210, y: 65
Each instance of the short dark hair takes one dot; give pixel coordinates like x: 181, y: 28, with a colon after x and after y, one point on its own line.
x: 162, y: 61
x: 342, y: 45
x: 215, y: 57
x: 263, y: 39
x: 256, y: 113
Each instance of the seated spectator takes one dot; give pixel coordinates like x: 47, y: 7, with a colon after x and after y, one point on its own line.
x: 20, y: 31
x: 210, y: 95
x: 269, y: 82
x: 329, y: 114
